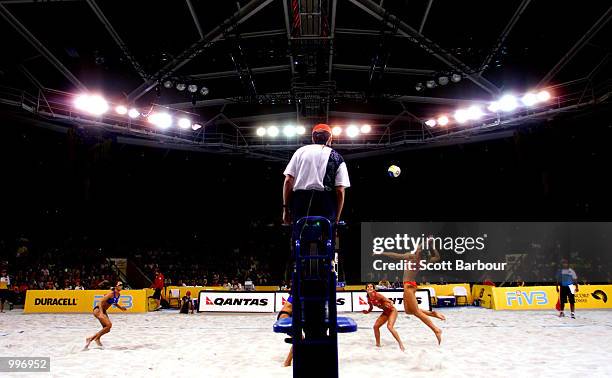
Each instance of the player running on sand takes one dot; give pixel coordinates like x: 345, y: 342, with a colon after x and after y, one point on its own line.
x: 99, y: 311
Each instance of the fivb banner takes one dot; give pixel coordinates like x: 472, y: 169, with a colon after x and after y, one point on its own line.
x: 344, y: 301
x: 57, y: 301
x: 247, y: 301
x: 545, y: 297
x: 360, y: 300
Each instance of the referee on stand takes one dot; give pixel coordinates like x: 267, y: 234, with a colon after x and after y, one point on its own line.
x: 315, y: 179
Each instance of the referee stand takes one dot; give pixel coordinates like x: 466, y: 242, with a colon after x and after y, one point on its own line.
x: 314, y: 326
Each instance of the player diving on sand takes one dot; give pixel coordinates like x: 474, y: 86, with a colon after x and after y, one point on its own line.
x: 410, y: 286
x: 99, y: 311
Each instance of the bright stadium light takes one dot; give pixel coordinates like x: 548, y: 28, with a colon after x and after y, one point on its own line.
x: 461, y: 115
x: 192, y: 88
x: 543, y: 96
x: 430, y: 84
x: 133, y: 113
x: 493, y: 107
x: 184, y: 123
x: 365, y: 129
x: 300, y: 130
x: 120, y: 109
x: 455, y: 78
x: 272, y: 131
x: 352, y: 131
x: 529, y: 99
x: 508, y: 103
x: 474, y: 112
x: 181, y: 86
x: 196, y: 126
x: 92, y: 104
x: 161, y: 119
x: 431, y: 122
x: 442, y: 120
x: 336, y: 130
x: 168, y: 84
x: 289, y: 131
x: 261, y: 131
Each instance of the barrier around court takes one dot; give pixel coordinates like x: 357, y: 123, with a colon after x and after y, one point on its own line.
x: 80, y: 301
x: 256, y: 301
x: 545, y: 297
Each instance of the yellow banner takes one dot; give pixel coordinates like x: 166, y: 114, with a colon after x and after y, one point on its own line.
x: 52, y: 301
x: 483, y: 294
x: 545, y: 297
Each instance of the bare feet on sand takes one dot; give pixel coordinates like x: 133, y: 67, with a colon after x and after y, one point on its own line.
x: 436, y: 314
x: 438, y: 334
x: 88, y: 341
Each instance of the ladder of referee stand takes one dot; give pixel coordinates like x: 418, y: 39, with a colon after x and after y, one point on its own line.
x: 314, y: 326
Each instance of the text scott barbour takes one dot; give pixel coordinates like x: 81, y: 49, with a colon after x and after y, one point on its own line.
x: 436, y: 266
x: 405, y: 244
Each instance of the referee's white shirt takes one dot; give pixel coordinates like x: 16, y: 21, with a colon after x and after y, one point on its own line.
x: 308, y: 165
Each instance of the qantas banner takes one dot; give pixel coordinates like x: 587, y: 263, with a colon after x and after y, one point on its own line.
x: 247, y: 301
x: 218, y: 301
x: 360, y: 300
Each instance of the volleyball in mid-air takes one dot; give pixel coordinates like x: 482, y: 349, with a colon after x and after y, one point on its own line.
x: 394, y: 171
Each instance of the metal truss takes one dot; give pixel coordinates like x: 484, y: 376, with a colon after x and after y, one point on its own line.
x: 594, y: 29
x: 236, y: 136
x: 42, y: 49
x: 197, y: 48
x: 426, y: 44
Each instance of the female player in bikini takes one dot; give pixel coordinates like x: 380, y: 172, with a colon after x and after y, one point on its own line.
x: 410, y: 286
x: 287, y: 312
x: 99, y: 311
x: 388, y: 316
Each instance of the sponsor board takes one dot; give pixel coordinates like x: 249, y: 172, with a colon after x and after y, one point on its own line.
x: 55, y: 301
x: 360, y: 300
x: 273, y: 302
x: 545, y: 297
x: 594, y: 296
x: 483, y: 295
x: 344, y: 301
x: 247, y: 301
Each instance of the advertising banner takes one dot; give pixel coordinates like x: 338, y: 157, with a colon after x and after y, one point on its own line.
x: 57, y: 301
x: 545, y: 297
x: 247, y: 301
x: 360, y: 300
x: 343, y: 301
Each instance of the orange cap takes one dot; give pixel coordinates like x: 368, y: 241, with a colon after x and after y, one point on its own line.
x: 321, y: 127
